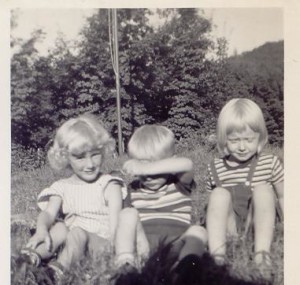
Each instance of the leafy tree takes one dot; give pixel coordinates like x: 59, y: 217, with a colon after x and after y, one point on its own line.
x: 187, y: 67
x: 29, y: 95
x: 99, y: 80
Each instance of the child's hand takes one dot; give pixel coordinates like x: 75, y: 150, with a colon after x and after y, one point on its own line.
x: 133, y: 167
x: 38, y: 238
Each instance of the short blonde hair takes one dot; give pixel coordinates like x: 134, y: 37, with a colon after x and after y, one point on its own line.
x: 81, y: 133
x: 152, y: 142
x: 236, y: 115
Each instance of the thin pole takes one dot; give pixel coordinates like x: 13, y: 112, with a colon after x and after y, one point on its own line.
x: 116, y: 57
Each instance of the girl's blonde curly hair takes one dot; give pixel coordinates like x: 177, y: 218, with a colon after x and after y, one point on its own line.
x: 82, y: 133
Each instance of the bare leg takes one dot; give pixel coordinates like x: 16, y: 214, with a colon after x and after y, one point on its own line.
x: 218, y: 213
x: 129, y: 234
x: 142, y: 246
x: 58, y: 235
x: 264, y: 218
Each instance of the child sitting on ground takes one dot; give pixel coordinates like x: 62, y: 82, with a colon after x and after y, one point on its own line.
x: 89, y: 200
x: 161, y: 200
x: 242, y: 181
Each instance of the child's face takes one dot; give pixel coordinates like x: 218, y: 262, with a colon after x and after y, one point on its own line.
x: 154, y: 182
x: 242, y: 145
x: 86, y: 164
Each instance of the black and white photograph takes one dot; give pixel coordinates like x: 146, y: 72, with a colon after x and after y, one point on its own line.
x: 147, y: 144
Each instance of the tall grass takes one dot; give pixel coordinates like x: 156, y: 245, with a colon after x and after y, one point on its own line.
x: 25, y: 186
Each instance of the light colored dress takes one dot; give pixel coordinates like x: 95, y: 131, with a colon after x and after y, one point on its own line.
x: 84, y: 205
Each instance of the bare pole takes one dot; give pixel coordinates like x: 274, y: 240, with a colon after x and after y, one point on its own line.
x: 116, y: 61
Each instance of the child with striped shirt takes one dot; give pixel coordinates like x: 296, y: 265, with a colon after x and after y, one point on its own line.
x: 161, y: 199
x: 242, y: 183
x: 89, y: 201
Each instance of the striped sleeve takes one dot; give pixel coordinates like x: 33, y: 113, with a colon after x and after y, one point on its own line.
x: 277, y: 171
x: 208, y: 179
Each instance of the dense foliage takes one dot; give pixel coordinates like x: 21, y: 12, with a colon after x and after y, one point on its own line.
x: 173, y: 74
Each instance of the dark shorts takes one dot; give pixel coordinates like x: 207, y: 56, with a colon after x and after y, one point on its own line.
x: 163, y: 229
x: 241, y: 200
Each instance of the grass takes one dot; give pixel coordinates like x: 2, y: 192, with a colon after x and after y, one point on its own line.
x: 27, y: 185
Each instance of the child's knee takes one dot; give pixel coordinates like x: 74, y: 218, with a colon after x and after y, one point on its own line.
x: 219, y: 197
x: 128, y: 214
x: 263, y: 193
x: 197, y: 232
x: 262, y: 188
x: 195, y: 241
x: 59, y: 232
x: 220, y: 193
x: 61, y: 228
x: 76, y: 237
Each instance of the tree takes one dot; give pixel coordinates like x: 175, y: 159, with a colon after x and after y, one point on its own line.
x: 29, y: 98
x: 186, y: 45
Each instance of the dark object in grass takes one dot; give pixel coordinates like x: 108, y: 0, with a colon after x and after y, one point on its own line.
x: 160, y: 269
x: 23, y: 272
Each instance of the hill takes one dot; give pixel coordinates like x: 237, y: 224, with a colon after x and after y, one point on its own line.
x: 259, y: 75
x: 264, y: 64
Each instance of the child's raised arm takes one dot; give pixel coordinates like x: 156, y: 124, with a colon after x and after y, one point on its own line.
x: 172, y: 165
x: 45, y: 219
x: 180, y: 166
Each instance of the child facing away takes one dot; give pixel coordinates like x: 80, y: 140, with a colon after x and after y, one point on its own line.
x: 89, y: 200
x: 161, y: 199
x: 241, y: 183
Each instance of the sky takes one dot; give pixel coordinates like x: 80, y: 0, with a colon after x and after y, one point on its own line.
x: 247, y: 28
x: 244, y: 28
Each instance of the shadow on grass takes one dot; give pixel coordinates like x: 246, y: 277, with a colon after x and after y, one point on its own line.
x: 158, y: 269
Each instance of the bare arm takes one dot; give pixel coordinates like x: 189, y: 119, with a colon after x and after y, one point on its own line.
x: 114, y: 198
x: 279, y: 191
x: 163, y: 166
x: 45, y: 219
x: 180, y: 166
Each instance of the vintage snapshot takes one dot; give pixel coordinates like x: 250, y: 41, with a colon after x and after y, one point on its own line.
x: 147, y: 145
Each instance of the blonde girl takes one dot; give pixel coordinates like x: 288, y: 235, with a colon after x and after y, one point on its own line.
x: 243, y: 181
x: 89, y: 201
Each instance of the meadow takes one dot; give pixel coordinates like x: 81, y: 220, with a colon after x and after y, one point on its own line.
x: 25, y: 186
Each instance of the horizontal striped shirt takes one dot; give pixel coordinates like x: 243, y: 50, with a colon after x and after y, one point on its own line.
x: 172, y: 202
x: 269, y: 169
